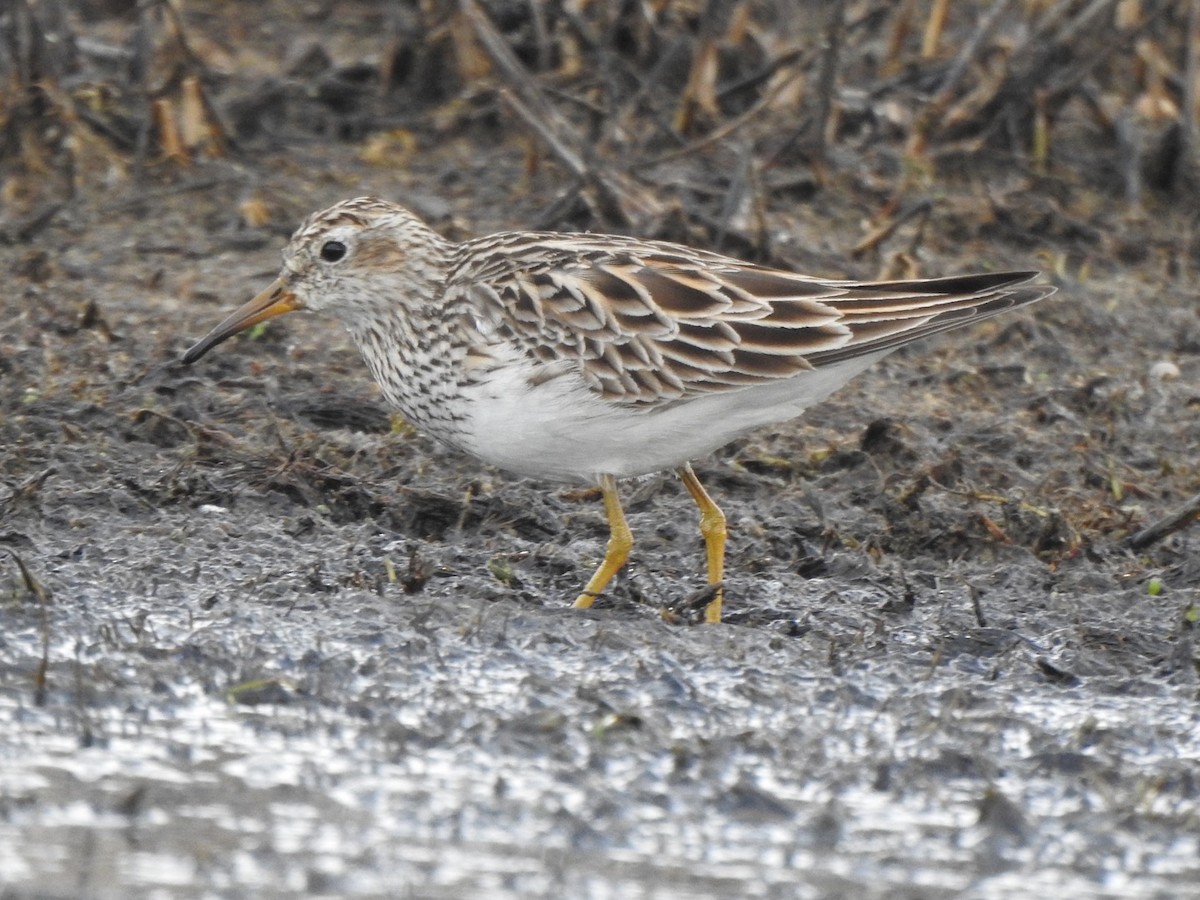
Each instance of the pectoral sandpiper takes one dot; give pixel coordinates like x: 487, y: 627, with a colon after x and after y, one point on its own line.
x: 596, y: 357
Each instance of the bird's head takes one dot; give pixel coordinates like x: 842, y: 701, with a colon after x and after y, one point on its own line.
x: 358, y: 260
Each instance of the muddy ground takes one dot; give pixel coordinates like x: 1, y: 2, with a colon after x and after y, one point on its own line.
x: 259, y: 638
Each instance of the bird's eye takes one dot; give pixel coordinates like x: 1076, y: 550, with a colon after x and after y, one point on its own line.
x: 332, y: 251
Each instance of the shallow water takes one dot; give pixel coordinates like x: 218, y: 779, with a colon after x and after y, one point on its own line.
x: 439, y: 748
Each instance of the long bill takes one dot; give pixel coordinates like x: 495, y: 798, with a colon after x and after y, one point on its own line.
x: 274, y: 301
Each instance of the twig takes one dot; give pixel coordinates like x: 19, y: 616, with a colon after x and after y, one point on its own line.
x: 1191, y: 72
x: 827, y: 82
x: 977, y: 605
x: 199, y: 184
x: 763, y: 74
x: 699, y: 94
x: 544, y: 130
x: 498, y: 51
x: 615, y: 118
x: 1070, y: 33
x: 1066, y: 79
x: 880, y: 234
x: 719, y: 134
x: 936, y: 111
x: 36, y: 588
x: 1186, y: 515
x: 615, y: 202
x: 934, y: 28
x: 743, y: 200
x: 970, y: 50
x: 26, y: 229
x: 523, y: 95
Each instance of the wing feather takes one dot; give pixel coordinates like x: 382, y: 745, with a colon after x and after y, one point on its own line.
x: 650, y: 323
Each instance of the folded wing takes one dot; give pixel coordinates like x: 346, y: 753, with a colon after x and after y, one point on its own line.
x: 649, y: 323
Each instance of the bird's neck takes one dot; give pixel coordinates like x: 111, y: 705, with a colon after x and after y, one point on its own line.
x: 419, y: 368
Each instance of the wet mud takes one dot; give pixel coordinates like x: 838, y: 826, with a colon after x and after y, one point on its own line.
x: 261, y: 638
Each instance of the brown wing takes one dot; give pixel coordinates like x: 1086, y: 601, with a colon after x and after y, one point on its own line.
x: 647, y: 323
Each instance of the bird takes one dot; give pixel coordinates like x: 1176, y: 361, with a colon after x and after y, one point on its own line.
x: 588, y: 357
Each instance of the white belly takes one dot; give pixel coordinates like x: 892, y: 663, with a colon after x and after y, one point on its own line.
x: 560, y: 430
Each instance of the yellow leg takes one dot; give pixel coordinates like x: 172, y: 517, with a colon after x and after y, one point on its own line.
x: 619, y: 541
x: 712, y: 526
